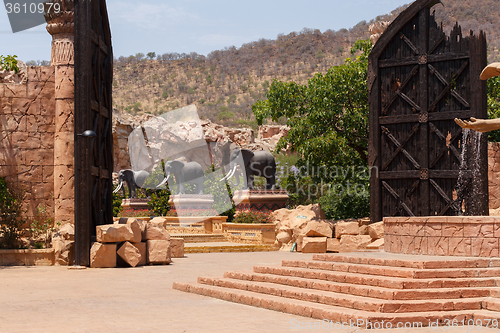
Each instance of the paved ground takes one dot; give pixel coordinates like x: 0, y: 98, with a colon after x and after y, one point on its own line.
x: 56, y: 299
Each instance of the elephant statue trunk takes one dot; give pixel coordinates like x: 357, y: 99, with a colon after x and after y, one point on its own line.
x: 260, y: 163
x: 190, y: 172
x: 133, y: 179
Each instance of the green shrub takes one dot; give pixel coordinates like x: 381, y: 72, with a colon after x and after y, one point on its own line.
x: 254, y: 216
x: 9, y: 63
x: 42, y: 227
x: 11, y: 219
x: 117, y: 204
x: 344, y: 206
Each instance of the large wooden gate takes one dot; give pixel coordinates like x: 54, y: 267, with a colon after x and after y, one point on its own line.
x: 93, y: 111
x: 419, y: 80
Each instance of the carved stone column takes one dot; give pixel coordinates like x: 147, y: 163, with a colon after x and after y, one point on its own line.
x: 61, y: 26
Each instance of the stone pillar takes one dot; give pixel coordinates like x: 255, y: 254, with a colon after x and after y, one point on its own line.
x: 61, y: 27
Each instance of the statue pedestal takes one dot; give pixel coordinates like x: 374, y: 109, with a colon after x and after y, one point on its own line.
x: 190, y: 204
x: 135, y: 204
x: 261, y: 200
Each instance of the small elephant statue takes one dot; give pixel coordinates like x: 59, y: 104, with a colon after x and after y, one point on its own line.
x: 190, y: 172
x: 259, y: 163
x: 133, y: 179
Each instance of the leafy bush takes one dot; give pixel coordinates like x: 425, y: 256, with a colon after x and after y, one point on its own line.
x: 11, y: 219
x: 159, y: 202
x: 254, y: 216
x: 494, y: 105
x: 349, y: 205
x: 9, y: 63
x: 117, y: 204
x: 42, y: 227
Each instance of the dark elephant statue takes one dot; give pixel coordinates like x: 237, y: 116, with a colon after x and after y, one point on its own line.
x: 133, y: 179
x: 190, y: 172
x: 259, y: 163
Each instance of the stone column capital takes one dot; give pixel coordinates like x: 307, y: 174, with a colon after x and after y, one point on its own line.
x: 61, y: 26
x: 62, y: 21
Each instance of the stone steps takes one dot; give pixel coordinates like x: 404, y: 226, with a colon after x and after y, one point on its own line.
x: 371, y: 287
x: 228, y: 247
x: 345, y: 300
x: 335, y: 314
x: 200, y: 238
x: 401, y: 272
x: 418, y: 262
x: 377, y: 281
x: 362, y: 290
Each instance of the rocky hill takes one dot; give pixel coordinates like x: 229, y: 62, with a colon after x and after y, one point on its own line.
x: 225, y: 84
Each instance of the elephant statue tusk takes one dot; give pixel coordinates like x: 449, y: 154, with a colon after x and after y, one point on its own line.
x: 229, y: 174
x: 118, y: 188
x: 164, y: 181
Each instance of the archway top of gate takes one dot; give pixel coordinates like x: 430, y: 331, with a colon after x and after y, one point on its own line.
x: 394, y: 28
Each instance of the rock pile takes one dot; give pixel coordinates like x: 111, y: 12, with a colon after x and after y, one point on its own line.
x: 307, y: 229
x: 132, y: 242
x: 221, y: 140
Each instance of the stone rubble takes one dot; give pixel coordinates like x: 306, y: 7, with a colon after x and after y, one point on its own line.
x: 132, y: 242
x: 311, y: 232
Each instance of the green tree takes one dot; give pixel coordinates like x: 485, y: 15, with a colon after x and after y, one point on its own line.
x: 9, y: 63
x: 494, y: 105
x: 151, y: 55
x: 328, y: 116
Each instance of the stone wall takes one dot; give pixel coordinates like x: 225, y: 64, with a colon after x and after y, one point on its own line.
x: 494, y: 174
x: 27, y: 127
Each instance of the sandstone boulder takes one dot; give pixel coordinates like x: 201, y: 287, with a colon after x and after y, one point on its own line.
x: 376, y: 245
x: 363, y: 230
x: 130, y: 254
x: 177, y: 247
x: 318, y: 229
x: 352, y: 243
x: 284, y: 236
x: 137, y: 224
x: 113, y: 233
x: 156, y: 232
x: 333, y: 245
x: 314, y: 245
x: 346, y: 228
x: 63, y: 243
x: 159, y: 252
x: 376, y: 230
x: 143, y: 251
x: 102, y: 255
x: 158, y: 221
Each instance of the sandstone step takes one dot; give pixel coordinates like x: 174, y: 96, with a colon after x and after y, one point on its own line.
x: 362, y: 290
x: 200, y: 238
x: 226, y: 247
x: 409, y: 261
x: 377, y: 281
x: 401, y: 272
x: 364, y: 303
x: 333, y: 314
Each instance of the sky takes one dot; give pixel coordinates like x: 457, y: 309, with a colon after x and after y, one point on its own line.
x: 202, y: 26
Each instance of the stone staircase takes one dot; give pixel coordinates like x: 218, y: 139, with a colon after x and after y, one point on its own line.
x: 368, y: 289
x: 212, y: 243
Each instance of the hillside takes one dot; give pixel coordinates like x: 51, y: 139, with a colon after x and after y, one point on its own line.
x: 225, y: 84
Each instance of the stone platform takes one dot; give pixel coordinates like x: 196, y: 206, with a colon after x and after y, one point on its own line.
x: 464, y: 236
x: 136, y: 204
x: 367, y: 288
x: 191, y: 203
x: 261, y: 200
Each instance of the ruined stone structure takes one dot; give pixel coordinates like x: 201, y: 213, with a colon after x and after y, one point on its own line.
x: 61, y: 26
x: 27, y: 131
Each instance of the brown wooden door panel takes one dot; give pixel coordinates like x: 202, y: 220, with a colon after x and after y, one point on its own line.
x: 93, y: 107
x: 420, y: 80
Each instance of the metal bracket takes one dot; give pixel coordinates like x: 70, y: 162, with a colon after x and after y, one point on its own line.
x: 422, y: 59
x: 424, y: 174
